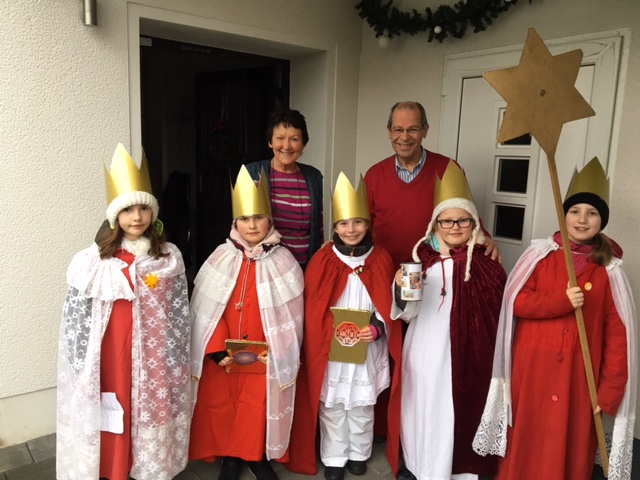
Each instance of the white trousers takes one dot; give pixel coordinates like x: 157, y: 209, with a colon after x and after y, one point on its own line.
x: 345, y: 434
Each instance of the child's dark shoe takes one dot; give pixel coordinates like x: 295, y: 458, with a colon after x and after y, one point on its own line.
x: 231, y: 468
x: 333, y: 473
x: 357, y: 467
x: 405, y: 474
x: 262, y: 470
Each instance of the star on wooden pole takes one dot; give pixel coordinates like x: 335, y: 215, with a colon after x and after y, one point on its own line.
x: 540, y: 93
x: 541, y: 97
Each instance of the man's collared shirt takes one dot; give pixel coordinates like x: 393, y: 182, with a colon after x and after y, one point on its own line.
x: 405, y: 175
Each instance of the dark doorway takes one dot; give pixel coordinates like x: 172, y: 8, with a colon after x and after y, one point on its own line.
x: 204, y: 114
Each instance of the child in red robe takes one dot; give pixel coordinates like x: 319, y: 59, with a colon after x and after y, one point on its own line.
x: 538, y: 413
x: 348, y: 273
x: 250, y: 289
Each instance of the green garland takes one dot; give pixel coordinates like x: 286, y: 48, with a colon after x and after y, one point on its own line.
x: 446, y: 21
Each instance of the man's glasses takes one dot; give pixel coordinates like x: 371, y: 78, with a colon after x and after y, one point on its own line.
x: 462, y: 223
x: 413, y: 131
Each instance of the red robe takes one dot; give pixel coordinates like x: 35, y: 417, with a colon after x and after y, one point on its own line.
x: 474, y: 321
x: 115, y: 358
x: 553, y: 435
x: 325, y: 280
x: 230, y: 415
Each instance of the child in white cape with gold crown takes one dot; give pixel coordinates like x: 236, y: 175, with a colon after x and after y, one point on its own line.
x: 124, y: 393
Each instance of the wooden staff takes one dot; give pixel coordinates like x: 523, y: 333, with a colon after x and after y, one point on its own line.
x: 584, y: 343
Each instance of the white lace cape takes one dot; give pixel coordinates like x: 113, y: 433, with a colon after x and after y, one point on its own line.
x: 161, y: 390
x: 491, y: 437
x: 280, y: 286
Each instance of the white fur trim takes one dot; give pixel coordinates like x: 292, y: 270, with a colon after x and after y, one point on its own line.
x: 126, y: 200
x: 477, y: 235
x: 138, y: 247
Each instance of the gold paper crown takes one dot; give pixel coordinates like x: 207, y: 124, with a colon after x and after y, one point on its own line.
x: 452, y: 185
x: 591, y: 179
x: 248, y: 198
x: 348, y: 203
x: 124, y: 176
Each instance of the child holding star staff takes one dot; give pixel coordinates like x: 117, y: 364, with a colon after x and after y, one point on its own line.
x: 539, y: 388
x: 541, y: 97
x: 124, y: 388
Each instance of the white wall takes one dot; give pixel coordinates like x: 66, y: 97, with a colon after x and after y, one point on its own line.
x: 64, y: 104
x: 410, y: 68
x: 63, y: 107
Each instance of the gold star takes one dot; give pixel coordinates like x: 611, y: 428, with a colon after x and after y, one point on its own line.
x: 152, y: 280
x: 540, y: 94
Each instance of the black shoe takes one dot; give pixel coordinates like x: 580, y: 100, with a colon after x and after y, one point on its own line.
x: 262, y: 470
x: 405, y: 474
x: 357, y: 467
x: 333, y: 473
x: 231, y: 468
x: 379, y: 438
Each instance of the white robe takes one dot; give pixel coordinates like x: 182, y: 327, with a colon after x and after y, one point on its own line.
x: 427, y: 420
x: 351, y: 384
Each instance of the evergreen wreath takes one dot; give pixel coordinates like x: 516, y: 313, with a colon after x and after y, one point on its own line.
x: 446, y: 21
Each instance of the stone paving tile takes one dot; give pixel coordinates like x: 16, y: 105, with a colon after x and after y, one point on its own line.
x: 43, y: 447
x: 15, y: 456
x: 23, y: 468
x: 44, y: 470
x: 378, y: 467
x: 187, y: 474
x: 378, y: 461
x: 205, y: 469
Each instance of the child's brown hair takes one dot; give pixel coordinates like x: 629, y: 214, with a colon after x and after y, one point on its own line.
x: 111, y: 243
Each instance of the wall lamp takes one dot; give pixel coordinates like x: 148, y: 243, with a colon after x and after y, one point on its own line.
x: 90, y: 10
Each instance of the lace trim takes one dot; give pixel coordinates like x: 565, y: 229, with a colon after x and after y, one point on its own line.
x: 620, y: 446
x: 491, y: 436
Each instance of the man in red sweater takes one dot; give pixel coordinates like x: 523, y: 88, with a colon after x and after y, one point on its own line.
x: 401, y: 187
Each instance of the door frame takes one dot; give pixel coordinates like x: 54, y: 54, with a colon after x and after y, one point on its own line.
x: 603, y: 49
x: 313, y: 71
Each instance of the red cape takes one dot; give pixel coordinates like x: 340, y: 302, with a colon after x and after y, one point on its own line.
x: 325, y: 280
x: 474, y: 322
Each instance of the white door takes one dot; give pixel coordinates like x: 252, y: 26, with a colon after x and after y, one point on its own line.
x: 510, y: 182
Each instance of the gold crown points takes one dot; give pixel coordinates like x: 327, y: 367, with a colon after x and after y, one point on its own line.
x: 124, y: 176
x: 452, y: 185
x: 591, y: 179
x: 247, y: 198
x: 347, y: 202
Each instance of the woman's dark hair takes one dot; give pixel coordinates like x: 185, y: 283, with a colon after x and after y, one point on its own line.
x: 111, y: 243
x: 287, y: 118
x: 602, y: 252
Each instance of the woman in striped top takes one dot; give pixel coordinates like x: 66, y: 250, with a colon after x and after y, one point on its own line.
x: 295, y: 188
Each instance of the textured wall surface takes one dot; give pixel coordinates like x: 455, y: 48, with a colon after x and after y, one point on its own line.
x: 64, y: 104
